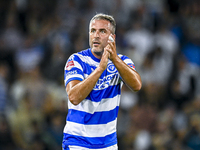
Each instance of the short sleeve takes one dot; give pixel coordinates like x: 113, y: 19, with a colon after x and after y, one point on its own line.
x: 128, y: 61
x: 73, y: 69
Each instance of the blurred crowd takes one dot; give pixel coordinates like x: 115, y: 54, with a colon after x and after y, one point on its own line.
x: 162, y: 37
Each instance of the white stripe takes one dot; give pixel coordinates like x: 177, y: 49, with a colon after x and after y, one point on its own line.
x: 99, y: 130
x: 86, y: 75
x: 113, y: 147
x: 88, y: 60
x: 128, y: 61
x: 77, y: 65
x: 91, y: 107
x: 120, y: 55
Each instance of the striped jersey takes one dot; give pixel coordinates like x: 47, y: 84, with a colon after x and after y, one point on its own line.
x: 92, y: 123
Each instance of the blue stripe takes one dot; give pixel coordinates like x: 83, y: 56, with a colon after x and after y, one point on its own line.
x: 72, y: 71
x: 72, y: 79
x: 90, y: 142
x: 85, y: 52
x: 96, y: 118
x: 110, y: 92
x: 87, y: 68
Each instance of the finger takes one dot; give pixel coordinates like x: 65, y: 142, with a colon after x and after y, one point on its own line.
x: 112, y: 44
x: 107, y: 53
x: 108, y: 46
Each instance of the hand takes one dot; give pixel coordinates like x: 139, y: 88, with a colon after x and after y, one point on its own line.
x: 104, y: 59
x: 111, y: 48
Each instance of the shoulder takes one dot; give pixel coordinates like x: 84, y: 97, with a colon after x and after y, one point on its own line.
x: 127, y: 60
x: 84, y: 53
x: 79, y: 55
x: 123, y: 57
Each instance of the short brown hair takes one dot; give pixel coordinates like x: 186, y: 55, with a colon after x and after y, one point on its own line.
x: 109, y: 18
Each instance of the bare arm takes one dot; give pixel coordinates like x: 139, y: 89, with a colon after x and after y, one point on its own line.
x: 128, y: 74
x: 79, y: 90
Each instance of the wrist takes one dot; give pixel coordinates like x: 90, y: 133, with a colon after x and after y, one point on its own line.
x: 116, y: 59
x: 99, y: 69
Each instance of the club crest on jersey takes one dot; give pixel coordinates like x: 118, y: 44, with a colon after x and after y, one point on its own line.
x: 70, y: 64
x: 111, y: 68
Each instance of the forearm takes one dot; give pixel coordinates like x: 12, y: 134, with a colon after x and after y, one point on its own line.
x: 79, y: 91
x: 128, y: 74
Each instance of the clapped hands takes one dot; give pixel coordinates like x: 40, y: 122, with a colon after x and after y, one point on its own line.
x: 111, y: 48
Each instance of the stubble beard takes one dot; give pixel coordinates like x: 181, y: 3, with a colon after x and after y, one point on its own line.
x: 98, y: 53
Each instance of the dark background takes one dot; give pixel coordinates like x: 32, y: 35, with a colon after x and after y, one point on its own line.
x: 162, y: 37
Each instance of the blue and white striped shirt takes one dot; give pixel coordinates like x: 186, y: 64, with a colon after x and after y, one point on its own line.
x: 92, y: 123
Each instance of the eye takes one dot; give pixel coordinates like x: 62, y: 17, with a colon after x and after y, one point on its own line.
x: 103, y: 31
x: 92, y: 31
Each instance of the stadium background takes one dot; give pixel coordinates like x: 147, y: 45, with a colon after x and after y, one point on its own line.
x: 162, y: 37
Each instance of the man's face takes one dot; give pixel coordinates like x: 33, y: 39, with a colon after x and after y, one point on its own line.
x: 98, y: 35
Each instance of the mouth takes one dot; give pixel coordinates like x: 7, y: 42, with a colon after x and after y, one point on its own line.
x: 96, y: 43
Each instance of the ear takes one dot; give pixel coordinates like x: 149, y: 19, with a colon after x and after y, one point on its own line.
x: 114, y: 36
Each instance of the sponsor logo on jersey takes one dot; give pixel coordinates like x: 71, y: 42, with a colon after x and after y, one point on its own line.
x: 105, y: 82
x: 70, y: 64
x: 71, y: 72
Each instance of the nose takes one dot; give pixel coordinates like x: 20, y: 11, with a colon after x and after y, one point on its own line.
x: 96, y: 34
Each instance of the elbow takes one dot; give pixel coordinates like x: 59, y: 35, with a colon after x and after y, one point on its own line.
x: 73, y: 99
x: 74, y: 102
x: 138, y: 87
x: 135, y: 87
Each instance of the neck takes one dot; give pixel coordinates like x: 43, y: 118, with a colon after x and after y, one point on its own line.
x: 97, y: 54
